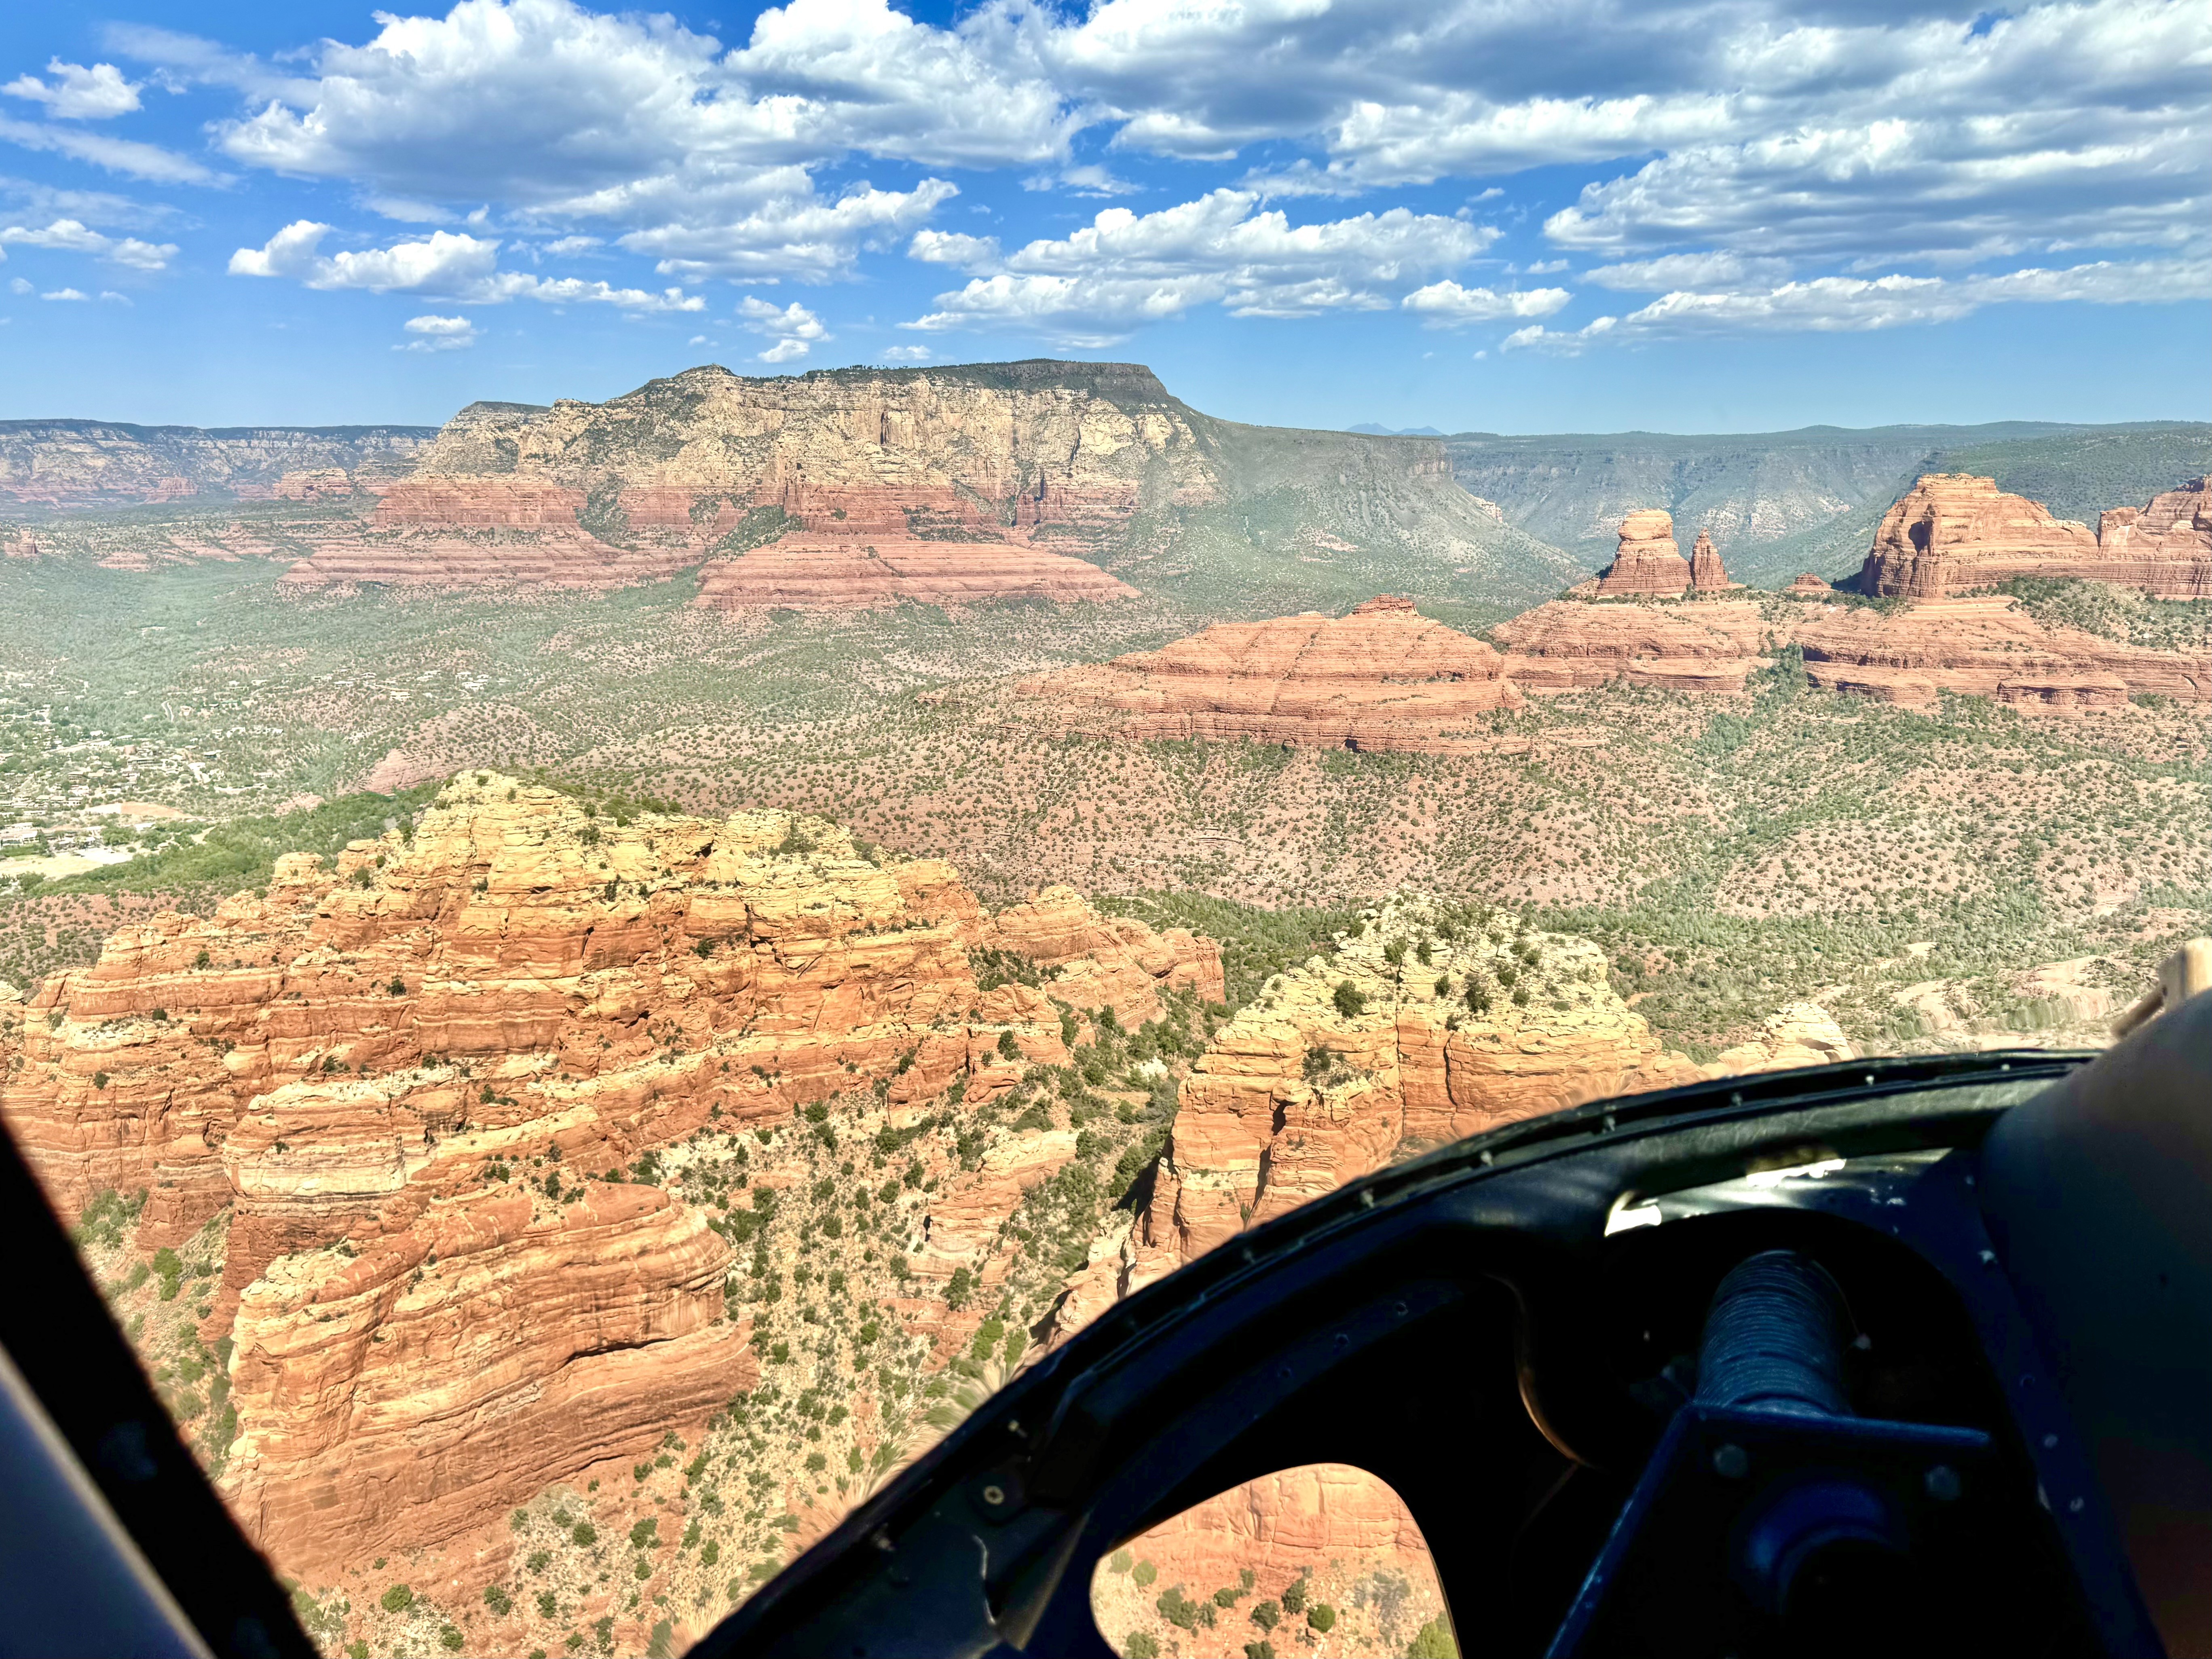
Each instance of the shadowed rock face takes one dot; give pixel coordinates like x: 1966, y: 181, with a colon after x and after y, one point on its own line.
x: 1384, y: 678
x: 1953, y: 531
x: 419, y: 1083
x: 1989, y: 646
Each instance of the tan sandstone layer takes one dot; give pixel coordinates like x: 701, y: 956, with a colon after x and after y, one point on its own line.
x: 1953, y: 532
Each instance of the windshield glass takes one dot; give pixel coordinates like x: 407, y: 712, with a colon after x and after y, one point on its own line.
x: 707, y: 722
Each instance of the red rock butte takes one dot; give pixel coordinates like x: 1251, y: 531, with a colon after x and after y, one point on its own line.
x: 1954, y: 532
x: 1648, y: 562
x: 1381, y: 677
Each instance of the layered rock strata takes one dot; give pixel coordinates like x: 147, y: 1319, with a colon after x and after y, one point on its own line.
x: 1953, y: 531
x: 1344, y: 1538
x: 1430, y: 1023
x: 1566, y: 645
x: 948, y: 478
x: 1989, y: 646
x: 808, y: 573
x: 1382, y: 678
x: 1097, y: 962
x: 1647, y: 560
x: 397, y: 1074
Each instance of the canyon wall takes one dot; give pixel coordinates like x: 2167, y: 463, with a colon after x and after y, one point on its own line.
x: 1954, y: 531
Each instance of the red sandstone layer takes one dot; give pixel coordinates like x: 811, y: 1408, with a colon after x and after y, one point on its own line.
x: 812, y: 572
x: 1561, y: 645
x: 1384, y: 678
x: 397, y: 1074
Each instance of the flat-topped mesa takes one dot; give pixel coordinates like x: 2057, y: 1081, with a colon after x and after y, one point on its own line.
x: 1381, y: 677
x: 960, y: 482
x: 820, y: 573
x: 1989, y: 647
x: 1567, y: 645
x: 416, y: 1081
x: 1647, y: 560
x: 1953, y: 532
x: 1807, y: 586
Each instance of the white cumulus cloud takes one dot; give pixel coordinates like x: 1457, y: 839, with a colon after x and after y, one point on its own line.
x: 445, y: 264
x: 1851, y: 305
x: 71, y: 236
x: 1447, y: 305
x: 1125, y: 269
x: 1720, y: 150
x: 435, y: 333
x: 78, y: 93
x: 793, y: 329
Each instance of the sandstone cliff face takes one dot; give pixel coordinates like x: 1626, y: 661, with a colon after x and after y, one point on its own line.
x: 387, y: 1399
x: 1647, y: 560
x: 1382, y: 678
x: 1344, y: 1536
x: 1566, y: 645
x: 924, y: 483
x: 1991, y: 648
x: 420, y: 1085
x: 1308, y: 1088
x: 1953, y: 532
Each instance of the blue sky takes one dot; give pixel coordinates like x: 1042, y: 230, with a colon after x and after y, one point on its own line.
x: 1516, y: 215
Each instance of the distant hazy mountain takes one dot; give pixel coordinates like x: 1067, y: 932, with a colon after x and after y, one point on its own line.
x: 1375, y: 431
